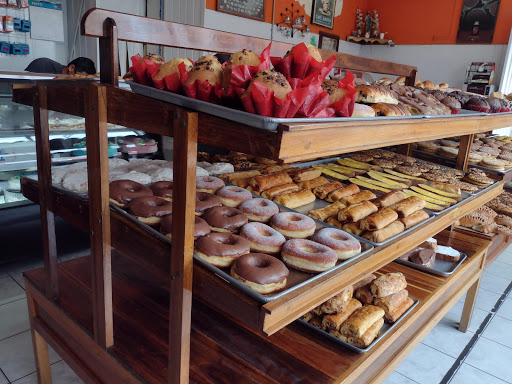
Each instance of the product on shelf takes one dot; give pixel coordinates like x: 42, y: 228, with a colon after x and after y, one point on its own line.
x: 150, y: 210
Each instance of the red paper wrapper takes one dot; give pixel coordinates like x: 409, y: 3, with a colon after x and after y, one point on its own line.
x: 302, y: 98
x: 171, y: 82
x: 140, y: 68
x: 455, y: 111
x: 201, y: 91
x: 345, y: 106
x: 241, y: 75
x: 300, y: 64
x: 478, y: 109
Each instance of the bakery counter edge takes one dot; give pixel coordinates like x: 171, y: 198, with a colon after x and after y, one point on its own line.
x: 209, y: 288
x: 289, y: 143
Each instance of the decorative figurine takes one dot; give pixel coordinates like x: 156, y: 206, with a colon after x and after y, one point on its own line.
x: 359, y: 22
x: 368, y: 21
x: 375, y: 27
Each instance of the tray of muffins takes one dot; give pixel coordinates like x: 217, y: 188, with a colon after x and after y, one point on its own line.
x: 433, y: 258
x: 261, y: 248
x: 361, y: 315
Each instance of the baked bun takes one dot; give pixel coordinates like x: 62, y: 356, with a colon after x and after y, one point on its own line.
x: 417, y: 82
x: 400, y: 80
x: 335, y: 92
x: 171, y: 67
x: 206, y: 68
x: 362, y: 110
x: 243, y: 57
x: 273, y: 80
x: 497, y: 95
x: 155, y: 58
x: 429, y: 85
x: 385, y: 81
x: 313, y: 51
x: 443, y: 85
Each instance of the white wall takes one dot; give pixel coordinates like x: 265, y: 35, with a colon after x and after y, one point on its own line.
x: 38, y: 48
x: 440, y: 63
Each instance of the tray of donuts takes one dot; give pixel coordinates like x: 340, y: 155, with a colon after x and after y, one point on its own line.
x: 263, y: 249
x: 361, y: 315
x: 374, y: 176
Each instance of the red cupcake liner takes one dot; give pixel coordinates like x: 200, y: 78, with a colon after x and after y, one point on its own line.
x: 317, y: 100
x: 345, y: 106
x: 140, y: 68
x: 241, y: 75
x: 477, y: 108
x: 455, y: 111
x: 300, y: 64
x: 203, y: 91
x: 171, y: 82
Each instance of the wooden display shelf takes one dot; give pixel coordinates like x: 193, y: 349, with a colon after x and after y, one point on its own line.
x: 289, y: 143
x: 222, y: 349
x: 135, y: 242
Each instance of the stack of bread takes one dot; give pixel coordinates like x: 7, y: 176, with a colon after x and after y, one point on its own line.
x: 429, y: 251
x: 357, y: 314
x: 285, y: 185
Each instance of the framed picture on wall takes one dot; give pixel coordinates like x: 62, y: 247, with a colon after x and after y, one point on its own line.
x: 477, y: 21
x: 323, y: 13
x: 328, y: 41
x: 251, y: 9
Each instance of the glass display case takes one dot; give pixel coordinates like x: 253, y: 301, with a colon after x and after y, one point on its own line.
x: 67, y: 141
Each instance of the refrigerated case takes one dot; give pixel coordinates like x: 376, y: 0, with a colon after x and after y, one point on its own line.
x: 17, y: 140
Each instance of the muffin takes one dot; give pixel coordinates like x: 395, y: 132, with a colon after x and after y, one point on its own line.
x: 313, y: 51
x: 171, y: 67
x: 452, y: 103
x: 243, y: 57
x: 206, y: 68
x: 272, y: 80
x: 478, y: 104
x: 494, y: 104
x: 157, y: 59
x: 334, y: 91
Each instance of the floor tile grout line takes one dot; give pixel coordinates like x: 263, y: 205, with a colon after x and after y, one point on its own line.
x: 16, y: 281
x: 19, y: 333
x: 490, y: 374
x: 10, y: 302
x: 497, y: 342
x: 469, y: 347
x: 31, y: 373
x: 401, y: 374
x: 2, y: 372
x: 14, y: 299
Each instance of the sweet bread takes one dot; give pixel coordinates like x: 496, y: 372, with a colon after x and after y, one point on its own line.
x: 349, y: 190
x: 379, y: 219
x: 323, y: 214
x: 358, y: 197
x: 366, y: 339
x: 390, y: 198
x: 230, y: 177
x: 323, y: 191
x: 264, y: 182
x: 306, y: 174
x: 361, y: 320
x: 395, y: 314
x: 362, y: 110
x: 414, y: 219
x: 335, y: 320
x: 273, y: 192
x: 382, y: 109
x: 353, y: 228
x: 364, y: 281
x: 364, y: 295
x: 388, y: 284
x: 338, y: 303
x: 380, y: 235
x: 310, y: 184
x: 392, y: 302
x: 296, y: 199
x: 369, y: 94
x: 408, y: 206
x: 357, y: 212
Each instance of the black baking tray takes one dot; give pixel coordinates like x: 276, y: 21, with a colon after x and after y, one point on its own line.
x: 386, y: 328
x: 440, y: 267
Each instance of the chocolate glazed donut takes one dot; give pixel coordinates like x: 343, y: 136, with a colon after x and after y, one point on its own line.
x: 221, y: 249
x: 121, y: 192
x: 150, y: 210
x: 201, y: 227
x: 225, y: 219
x: 261, y: 272
x: 162, y: 189
x: 204, y: 201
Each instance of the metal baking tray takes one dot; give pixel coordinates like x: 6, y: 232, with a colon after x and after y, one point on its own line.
x: 257, y: 121
x: 440, y: 267
x: 386, y: 328
x: 465, y: 112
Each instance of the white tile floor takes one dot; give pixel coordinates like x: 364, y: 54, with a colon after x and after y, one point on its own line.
x: 488, y: 361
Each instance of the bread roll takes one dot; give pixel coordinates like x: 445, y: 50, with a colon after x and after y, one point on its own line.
x: 238, y: 175
x: 395, y: 314
x: 272, y: 193
x: 334, y: 321
x: 272, y: 80
x: 391, y: 302
x: 369, y: 94
x: 353, y: 228
x: 296, y: 199
x: 388, y: 284
x: 334, y: 222
x: 361, y: 320
x: 390, y: 198
x: 171, y: 67
x: 338, y: 303
x: 310, y: 184
x: 379, y: 219
x: 349, y: 190
x: 262, y: 183
x: 323, y: 214
x: 364, y: 295
x: 206, y: 68
x: 408, y: 206
x: 357, y: 212
x: 323, y: 190
x: 365, y: 340
x: 362, y: 110
x: 414, y: 219
x: 385, y: 233
x: 358, y: 197
x: 306, y: 174
x: 383, y: 109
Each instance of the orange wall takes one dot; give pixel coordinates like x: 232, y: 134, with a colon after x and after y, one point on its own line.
x: 433, y: 21
x: 406, y: 21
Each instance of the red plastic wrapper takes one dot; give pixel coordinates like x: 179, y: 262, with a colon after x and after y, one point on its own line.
x: 455, y: 111
x: 171, y: 82
x: 141, y: 68
x: 241, y: 75
x: 201, y: 91
x: 477, y: 108
x: 300, y: 64
x: 345, y: 106
x: 302, y: 97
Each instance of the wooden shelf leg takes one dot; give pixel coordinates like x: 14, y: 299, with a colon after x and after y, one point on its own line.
x: 41, y: 355
x: 469, y: 305
x: 464, y: 151
x: 184, y: 195
x: 404, y: 149
x: 44, y: 174
x: 99, y: 214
